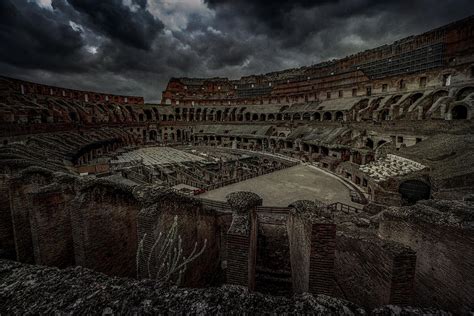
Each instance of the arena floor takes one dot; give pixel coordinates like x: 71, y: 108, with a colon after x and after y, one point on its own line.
x: 283, y: 187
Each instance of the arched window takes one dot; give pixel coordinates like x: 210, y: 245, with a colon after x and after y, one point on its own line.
x: 459, y: 112
x: 327, y: 116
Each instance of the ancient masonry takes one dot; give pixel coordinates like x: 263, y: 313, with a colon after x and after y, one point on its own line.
x: 85, y: 176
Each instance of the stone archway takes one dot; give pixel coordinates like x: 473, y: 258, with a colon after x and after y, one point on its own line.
x: 413, y: 191
x: 459, y: 112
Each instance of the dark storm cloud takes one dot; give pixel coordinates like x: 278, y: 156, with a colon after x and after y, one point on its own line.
x: 137, y: 28
x: 135, y: 46
x: 33, y: 37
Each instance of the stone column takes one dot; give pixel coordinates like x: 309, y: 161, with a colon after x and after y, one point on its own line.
x: 312, y: 235
x: 242, y: 239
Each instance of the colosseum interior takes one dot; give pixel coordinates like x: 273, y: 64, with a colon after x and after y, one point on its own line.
x: 347, y: 185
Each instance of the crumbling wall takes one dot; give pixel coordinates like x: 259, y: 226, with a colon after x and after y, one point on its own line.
x: 442, y: 235
x: 20, y: 204
x: 104, y: 226
x: 7, y: 243
x: 196, y: 226
x: 299, y: 235
x: 312, y: 262
x: 373, y: 272
x: 50, y: 224
x: 242, y: 239
x: 273, y: 271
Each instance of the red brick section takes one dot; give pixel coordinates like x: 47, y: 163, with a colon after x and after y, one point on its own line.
x: 238, y: 259
x: 403, y: 275
x: 20, y: 204
x: 6, y: 225
x: 321, y: 265
x: 242, y: 256
x: 51, y: 229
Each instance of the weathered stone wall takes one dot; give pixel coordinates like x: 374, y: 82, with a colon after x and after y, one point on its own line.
x: 445, y: 251
x: 21, y: 204
x: 273, y: 273
x: 196, y: 227
x: 50, y: 224
x: 299, y: 234
x: 242, y: 239
x: 318, y: 255
x: 373, y: 272
x: 104, y: 225
x: 321, y: 265
x: 7, y: 243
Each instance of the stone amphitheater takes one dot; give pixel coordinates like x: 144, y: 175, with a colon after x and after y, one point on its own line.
x: 340, y: 188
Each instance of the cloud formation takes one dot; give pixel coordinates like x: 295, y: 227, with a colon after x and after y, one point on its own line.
x: 135, y: 46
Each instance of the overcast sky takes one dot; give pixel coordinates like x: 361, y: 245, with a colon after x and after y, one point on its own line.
x: 135, y: 46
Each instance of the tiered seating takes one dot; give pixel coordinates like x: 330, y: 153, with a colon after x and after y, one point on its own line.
x: 391, y: 166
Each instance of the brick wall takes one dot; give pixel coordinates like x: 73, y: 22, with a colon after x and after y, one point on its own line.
x: 321, y: 264
x: 242, y: 251
x: 51, y: 227
x: 444, y: 262
x: 104, y: 225
x: 373, y: 272
x: 195, y: 225
x: 20, y: 204
x: 299, y: 235
x: 7, y: 244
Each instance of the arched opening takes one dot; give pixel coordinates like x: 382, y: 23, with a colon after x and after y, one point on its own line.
x: 148, y: 115
x: 279, y: 117
x: 247, y: 116
x: 384, y: 115
x: 459, y: 112
x: 317, y: 116
x: 140, y: 117
x: 144, y: 135
x: 413, y: 191
x: 339, y: 116
x: 218, y: 116
x: 44, y: 116
x: 255, y: 117
x: 369, y: 143
x: 415, y: 97
x: 296, y: 117
x: 327, y: 116
x: 464, y: 92
x: 271, y: 117
x: 178, y: 135
x: 287, y: 117
x: 73, y: 116
x: 380, y: 143
x: 262, y: 117
x: 306, y: 116
x: 439, y: 94
x: 152, y: 135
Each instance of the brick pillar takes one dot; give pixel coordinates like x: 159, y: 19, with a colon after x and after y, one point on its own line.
x: 403, y: 275
x: 242, y: 239
x: 51, y: 227
x: 312, y: 235
x: 321, y: 263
